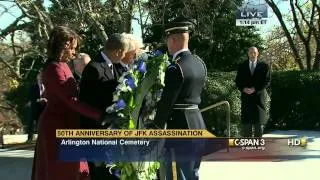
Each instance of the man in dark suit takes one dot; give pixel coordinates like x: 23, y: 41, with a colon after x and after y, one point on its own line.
x: 35, y: 105
x: 98, y: 82
x: 178, y: 107
x: 253, y: 77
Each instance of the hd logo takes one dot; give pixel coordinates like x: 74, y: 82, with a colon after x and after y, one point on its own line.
x: 298, y: 142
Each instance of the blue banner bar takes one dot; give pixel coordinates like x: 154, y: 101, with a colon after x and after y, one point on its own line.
x: 131, y: 150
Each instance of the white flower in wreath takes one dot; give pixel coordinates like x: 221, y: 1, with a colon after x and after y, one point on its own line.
x: 158, y: 94
x: 148, y: 99
x: 122, y: 77
x: 116, y: 97
x: 134, y: 66
x: 121, y: 115
x: 147, y: 171
x: 152, y: 115
x: 161, y: 78
x: 122, y: 87
x: 128, y: 88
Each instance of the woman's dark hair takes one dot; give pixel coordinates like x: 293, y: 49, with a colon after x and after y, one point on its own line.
x: 59, y: 36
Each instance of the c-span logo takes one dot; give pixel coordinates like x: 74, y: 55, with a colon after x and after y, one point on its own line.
x: 248, y: 143
x: 298, y: 142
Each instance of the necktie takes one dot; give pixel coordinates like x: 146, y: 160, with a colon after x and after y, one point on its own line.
x: 112, y: 69
x: 252, y: 68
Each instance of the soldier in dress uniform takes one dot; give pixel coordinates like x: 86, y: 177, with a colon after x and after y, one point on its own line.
x: 178, y: 107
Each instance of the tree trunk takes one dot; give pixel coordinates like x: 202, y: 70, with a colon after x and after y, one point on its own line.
x: 316, y: 33
x: 316, y: 65
x: 128, y: 17
x: 308, y: 56
x: 305, y: 40
x: 293, y: 47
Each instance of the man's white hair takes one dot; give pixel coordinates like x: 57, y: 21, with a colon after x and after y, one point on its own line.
x: 253, y: 47
x: 134, y: 42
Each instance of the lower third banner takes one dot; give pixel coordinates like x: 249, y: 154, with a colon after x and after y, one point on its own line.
x: 129, y: 149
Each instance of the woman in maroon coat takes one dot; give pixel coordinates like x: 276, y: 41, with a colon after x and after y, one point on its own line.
x: 62, y: 110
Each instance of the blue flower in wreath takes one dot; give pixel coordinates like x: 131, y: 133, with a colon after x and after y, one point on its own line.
x: 157, y: 53
x: 143, y: 57
x: 142, y: 67
x: 117, y: 173
x: 120, y: 104
x: 130, y: 82
x: 109, y: 157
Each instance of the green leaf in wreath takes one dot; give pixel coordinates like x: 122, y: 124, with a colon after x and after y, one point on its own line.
x: 131, y: 123
x: 128, y: 169
x: 131, y: 101
x: 123, y: 176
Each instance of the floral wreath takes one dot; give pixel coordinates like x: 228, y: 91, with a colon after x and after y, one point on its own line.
x: 135, y: 100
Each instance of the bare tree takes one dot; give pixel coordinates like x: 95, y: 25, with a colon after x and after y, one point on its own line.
x: 278, y: 52
x: 22, y: 58
x: 36, y: 20
x: 305, y: 28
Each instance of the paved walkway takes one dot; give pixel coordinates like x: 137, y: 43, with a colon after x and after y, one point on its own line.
x: 17, y: 164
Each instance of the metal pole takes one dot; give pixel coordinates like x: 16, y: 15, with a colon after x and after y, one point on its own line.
x: 227, y: 116
x: 227, y: 113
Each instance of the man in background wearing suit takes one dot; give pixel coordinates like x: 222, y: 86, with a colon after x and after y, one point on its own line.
x: 35, y: 105
x: 98, y: 82
x: 253, y: 77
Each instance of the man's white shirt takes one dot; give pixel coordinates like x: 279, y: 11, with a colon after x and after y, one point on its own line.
x: 110, y: 65
x: 178, y: 52
x: 254, y: 65
x: 124, y: 65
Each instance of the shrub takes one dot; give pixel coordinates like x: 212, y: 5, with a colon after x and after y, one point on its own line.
x: 295, y: 100
x: 292, y: 101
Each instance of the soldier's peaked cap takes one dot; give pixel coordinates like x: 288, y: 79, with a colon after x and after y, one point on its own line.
x: 178, y: 25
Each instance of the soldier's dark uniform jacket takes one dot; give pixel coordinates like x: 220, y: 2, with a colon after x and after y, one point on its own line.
x: 178, y: 107
x: 184, y: 81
